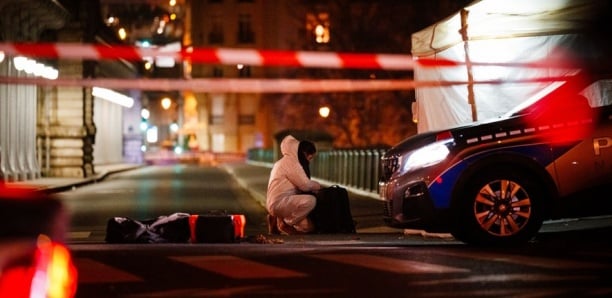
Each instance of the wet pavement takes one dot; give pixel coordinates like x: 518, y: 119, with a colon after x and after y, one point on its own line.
x: 253, y: 177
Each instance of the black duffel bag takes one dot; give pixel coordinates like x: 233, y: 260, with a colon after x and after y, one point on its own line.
x: 332, y: 213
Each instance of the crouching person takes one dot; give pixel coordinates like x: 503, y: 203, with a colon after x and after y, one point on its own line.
x: 290, y: 195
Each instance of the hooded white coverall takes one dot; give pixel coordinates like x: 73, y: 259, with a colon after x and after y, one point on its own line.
x: 287, y: 181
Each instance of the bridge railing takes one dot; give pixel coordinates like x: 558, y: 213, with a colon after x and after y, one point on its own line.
x: 355, y: 168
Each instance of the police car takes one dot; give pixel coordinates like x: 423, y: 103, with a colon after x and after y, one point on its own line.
x: 496, y: 182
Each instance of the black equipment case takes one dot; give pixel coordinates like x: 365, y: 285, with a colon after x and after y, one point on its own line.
x: 332, y: 214
x: 216, y: 227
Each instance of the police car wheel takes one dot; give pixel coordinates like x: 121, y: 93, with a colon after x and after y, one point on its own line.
x: 498, y: 207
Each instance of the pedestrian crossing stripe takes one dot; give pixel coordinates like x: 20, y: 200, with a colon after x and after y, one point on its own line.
x: 389, y: 264
x: 91, y: 271
x: 237, y: 268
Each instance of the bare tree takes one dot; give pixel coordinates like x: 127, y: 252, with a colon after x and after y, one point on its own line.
x: 362, y: 119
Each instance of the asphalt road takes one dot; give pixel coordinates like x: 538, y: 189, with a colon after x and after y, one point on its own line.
x: 375, y: 262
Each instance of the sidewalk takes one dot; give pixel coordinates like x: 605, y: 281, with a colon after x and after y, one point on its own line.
x: 62, y: 184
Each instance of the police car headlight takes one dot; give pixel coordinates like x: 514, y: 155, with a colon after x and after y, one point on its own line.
x: 426, y: 156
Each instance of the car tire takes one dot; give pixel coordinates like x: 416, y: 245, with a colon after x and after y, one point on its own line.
x: 497, y: 207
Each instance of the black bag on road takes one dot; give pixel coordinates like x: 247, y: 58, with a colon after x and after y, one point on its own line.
x: 163, y: 229
x: 332, y: 214
x: 212, y: 227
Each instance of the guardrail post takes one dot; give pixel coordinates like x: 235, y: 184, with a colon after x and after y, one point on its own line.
x: 344, y: 167
x: 367, y: 170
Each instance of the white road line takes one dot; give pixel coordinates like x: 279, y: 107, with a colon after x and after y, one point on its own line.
x: 389, y: 264
x: 237, y: 268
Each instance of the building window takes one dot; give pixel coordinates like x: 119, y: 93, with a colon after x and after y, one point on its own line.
x: 217, y: 72
x: 218, y: 142
x: 244, y: 71
x: 317, y: 27
x: 215, y: 36
x: 246, y: 119
x: 245, y: 31
x: 216, y: 119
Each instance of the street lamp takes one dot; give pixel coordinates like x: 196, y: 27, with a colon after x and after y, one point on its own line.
x: 166, y: 103
x: 324, y: 111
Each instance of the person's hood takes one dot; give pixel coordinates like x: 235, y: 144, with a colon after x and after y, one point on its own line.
x: 289, y: 146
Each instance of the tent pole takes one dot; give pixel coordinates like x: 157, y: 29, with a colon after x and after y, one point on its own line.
x: 468, y: 63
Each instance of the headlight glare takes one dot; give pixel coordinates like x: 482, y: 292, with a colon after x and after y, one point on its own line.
x: 426, y: 156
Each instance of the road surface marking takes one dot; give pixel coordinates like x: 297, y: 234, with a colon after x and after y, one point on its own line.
x: 91, y: 271
x: 389, y: 264
x: 237, y: 268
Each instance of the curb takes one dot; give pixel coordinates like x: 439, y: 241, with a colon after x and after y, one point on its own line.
x: 90, y: 180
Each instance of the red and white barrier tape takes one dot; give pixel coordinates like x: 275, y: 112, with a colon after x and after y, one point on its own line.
x: 253, y: 57
x: 254, y: 85
x: 212, y: 55
x: 228, y: 56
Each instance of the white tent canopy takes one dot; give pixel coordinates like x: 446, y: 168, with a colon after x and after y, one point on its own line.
x: 496, y: 31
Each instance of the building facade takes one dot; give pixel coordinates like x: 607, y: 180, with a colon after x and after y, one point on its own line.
x: 59, y: 131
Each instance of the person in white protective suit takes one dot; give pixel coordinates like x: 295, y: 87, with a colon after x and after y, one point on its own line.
x: 290, y: 195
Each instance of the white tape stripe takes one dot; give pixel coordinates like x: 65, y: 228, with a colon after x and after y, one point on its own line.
x: 239, y: 56
x: 76, y: 51
x: 313, y: 59
x: 156, y: 53
x: 395, y: 62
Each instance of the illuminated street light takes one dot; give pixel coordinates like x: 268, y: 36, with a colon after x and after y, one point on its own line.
x: 166, y: 103
x: 144, y: 113
x: 324, y: 111
x: 122, y: 33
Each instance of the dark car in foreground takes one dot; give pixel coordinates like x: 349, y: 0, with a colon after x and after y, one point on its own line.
x: 496, y: 182
x: 34, y: 259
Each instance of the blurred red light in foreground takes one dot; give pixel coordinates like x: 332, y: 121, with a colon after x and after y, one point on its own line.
x: 50, y: 274
x: 564, y: 116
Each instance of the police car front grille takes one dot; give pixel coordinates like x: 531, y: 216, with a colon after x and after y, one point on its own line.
x: 388, y: 167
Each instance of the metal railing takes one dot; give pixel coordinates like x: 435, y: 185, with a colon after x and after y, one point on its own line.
x: 355, y: 168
